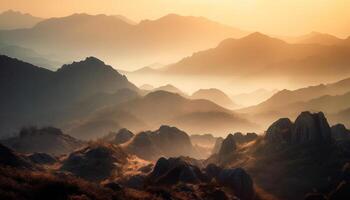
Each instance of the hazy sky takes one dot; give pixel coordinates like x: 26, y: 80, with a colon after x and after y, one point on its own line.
x: 283, y: 17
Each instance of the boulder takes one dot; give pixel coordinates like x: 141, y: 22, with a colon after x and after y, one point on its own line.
x: 311, y: 128
x: 280, y: 131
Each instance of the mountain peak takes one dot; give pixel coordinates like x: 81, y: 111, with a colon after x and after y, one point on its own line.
x: 93, y: 60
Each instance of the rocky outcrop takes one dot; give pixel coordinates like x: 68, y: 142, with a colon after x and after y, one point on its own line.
x: 241, y: 138
x: 166, y: 141
x: 95, y: 162
x: 308, y: 128
x: 122, y: 136
x: 239, y: 181
x: 228, y: 146
x: 280, y: 131
x: 339, y: 132
x: 175, y: 170
x: 48, y: 140
x: 311, y: 128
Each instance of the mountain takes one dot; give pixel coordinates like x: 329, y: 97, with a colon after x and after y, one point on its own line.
x: 16, y: 20
x: 125, y: 19
x: 214, y: 95
x: 260, y: 55
x: 29, y: 55
x: 317, y: 38
x: 170, y: 88
x: 113, y: 38
x: 49, y: 96
x: 330, y: 98
x: 47, y: 140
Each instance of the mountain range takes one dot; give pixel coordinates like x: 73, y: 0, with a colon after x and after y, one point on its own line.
x: 162, y: 40
x: 258, y: 55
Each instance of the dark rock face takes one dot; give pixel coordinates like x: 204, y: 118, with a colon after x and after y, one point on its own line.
x: 238, y: 180
x: 95, y: 162
x: 175, y: 170
x: 339, y: 132
x: 42, y: 158
x: 122, y: 136
x: 311, y: 128
x: 280, y: 131
x: 228, y: 146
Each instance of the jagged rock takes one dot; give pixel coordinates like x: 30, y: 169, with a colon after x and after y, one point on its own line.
x: 95, y: 162
x: 311, y: 128
x: 280, y: 131
x: 174, y: 170
x: 228, y: 146
x: 42, y: 158
x: 239, y: 181
x: 339, y: 132
x: 122, y: 136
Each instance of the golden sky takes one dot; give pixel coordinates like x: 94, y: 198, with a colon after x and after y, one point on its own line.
x: 282, y: 17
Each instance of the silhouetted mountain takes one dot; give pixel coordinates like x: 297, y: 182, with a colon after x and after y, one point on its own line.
x: 16, y: 20
x: 109, y: 37
x: 214, y: 95
x: 45, y: 140
x: 166, y: 141
x: 29, y: 55
x: 258, y: 54
x: 38, y: 96
x: 122, y: 136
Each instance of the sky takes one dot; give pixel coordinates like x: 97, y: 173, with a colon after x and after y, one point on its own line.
x: 282, y: 17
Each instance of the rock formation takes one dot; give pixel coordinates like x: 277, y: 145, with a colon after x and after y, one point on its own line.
x: 339, y: 132
x: 228, y: 146
x: 280, y: 131
x: 311, y: 128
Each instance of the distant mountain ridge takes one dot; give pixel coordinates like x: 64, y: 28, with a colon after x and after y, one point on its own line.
x: 16, y: 20
x: 260, y: 55
x: 117, y: 40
